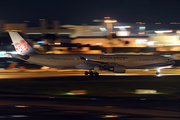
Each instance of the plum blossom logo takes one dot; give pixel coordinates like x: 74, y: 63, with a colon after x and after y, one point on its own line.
x: 22, y: 46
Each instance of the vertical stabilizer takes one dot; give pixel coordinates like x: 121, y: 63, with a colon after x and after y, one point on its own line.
x: 21, y: 46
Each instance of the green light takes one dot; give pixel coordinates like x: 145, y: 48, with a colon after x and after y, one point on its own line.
x: 69, y: 93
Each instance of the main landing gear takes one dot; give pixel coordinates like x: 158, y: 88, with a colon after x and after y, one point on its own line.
x: 91, y: 73
x: 158, y: 70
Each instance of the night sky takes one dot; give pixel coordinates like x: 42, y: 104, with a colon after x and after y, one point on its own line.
x: 84, y: 11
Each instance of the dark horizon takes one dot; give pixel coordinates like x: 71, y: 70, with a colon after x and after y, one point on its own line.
x: 83, y: 12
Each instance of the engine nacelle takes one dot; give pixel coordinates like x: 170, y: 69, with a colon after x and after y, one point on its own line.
x: 118, y: 69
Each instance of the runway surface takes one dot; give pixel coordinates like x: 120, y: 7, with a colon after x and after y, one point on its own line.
x: 51, y: 94
x: 5, y: 74
x: 42, y: 108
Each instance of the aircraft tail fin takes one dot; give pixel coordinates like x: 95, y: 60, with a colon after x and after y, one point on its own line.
x: 20, y: 44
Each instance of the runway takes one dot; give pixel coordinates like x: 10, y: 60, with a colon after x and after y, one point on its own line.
x: 48, y: 108
x: 54, y: 94
x: 7, y: 74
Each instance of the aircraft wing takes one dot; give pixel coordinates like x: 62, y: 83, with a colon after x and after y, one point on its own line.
x: 100, y: 63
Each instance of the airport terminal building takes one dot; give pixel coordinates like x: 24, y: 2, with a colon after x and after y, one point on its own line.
x: 161, y: 36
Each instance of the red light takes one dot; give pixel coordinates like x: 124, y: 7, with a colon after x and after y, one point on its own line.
x: 41, y: 19
x: 26, y: 21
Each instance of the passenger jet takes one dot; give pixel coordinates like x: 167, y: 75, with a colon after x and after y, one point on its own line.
x: 90, y: 62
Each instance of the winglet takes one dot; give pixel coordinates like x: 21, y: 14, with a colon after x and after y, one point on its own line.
x: 21, y: 46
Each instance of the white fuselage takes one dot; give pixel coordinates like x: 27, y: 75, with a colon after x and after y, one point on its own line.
x: 75, y: 61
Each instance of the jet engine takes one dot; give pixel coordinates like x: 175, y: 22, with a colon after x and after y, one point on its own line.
x: 118, y: 69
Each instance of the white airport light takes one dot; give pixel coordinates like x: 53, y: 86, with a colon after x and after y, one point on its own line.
x: 142, y: 28
x: 123, y: 33
x: 172, y: 45
x: 98, y: 43
x: 2, y: 52
x: 178, y: 31
x: 144, y: 91
x: 57, y: 43
x: 13, y: 52
x: 141, y: 41
x: 110, y: 21
x: 122, y: 27
x: 103, y: 29
x: 7, y: 54
x: 36, y: 46
x: 150, y: 43
x: 164, y: 31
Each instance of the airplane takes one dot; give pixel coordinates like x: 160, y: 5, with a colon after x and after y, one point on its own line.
x: 91, y: 62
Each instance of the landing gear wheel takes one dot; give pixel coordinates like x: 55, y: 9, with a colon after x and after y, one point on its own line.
x: 157, y: 73
x: 91, y: 73
x: 96, y: 74
x: 86, y: 73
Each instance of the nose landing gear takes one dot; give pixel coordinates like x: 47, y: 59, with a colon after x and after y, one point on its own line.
x: 158, y: 70
x: 91, y: 73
